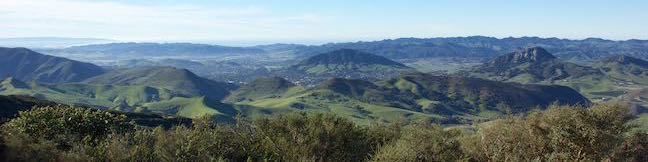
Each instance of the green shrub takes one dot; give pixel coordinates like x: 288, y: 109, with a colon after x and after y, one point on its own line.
x: 383, y: 134
x: 51, y: 122
x: 634, y: 148
x: 49, y: 132
x: 422, y: 142
x: 558, y: 134
x: 204, y: 141
x: 318, y: 137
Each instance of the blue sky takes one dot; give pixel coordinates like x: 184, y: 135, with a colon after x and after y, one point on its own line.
x: 292, y: 21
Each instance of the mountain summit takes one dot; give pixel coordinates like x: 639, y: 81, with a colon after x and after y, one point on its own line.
x: 348, y: 62
x: 534, y: 54
x: 529, y: 66
x: 349, y: 57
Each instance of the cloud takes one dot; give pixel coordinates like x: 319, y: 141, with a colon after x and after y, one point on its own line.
x: 146, y: 22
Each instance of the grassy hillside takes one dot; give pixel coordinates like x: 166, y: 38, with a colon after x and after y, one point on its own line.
x: 133, y: 98
x: 475, y: 95
x: 413, y: 97
x: 272, y: 87
x: 190, y: 107
x: 180, y: 81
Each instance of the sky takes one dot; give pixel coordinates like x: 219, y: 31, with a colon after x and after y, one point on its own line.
x: 320, y: 21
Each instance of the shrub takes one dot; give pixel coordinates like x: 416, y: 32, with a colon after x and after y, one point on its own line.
x: 422, y: 142
x: 634, y: 148
x: 49, y: 131
x: 383, y: 134
x: 318, y: 137
x: 558, y: 134
x: 204, y: 141
x: 50, y: 122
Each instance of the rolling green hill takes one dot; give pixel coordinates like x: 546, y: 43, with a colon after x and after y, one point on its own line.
x: 180, y: 81
x: 412, y: 97
x: 272, y: 87
x: 25, y: 64
x: 100, y: 96
x: 133, y: 98
x: 160, y: 90
x: 476, y: 95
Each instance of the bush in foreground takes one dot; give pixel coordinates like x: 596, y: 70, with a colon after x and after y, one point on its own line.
x: 560, y: 133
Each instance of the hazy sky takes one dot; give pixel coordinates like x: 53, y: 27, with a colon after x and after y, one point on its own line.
x: 318, y: 21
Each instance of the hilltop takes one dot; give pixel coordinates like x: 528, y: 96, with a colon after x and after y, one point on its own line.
x: 347, y: 61
x: 181, y: 81
x: 343, y: 63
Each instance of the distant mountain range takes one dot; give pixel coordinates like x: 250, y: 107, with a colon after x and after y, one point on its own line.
x: 579, y: 51
x: 157, y: 49
x: 25, y: 64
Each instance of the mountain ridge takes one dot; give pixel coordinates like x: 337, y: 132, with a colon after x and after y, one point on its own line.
x: 25, y: 64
